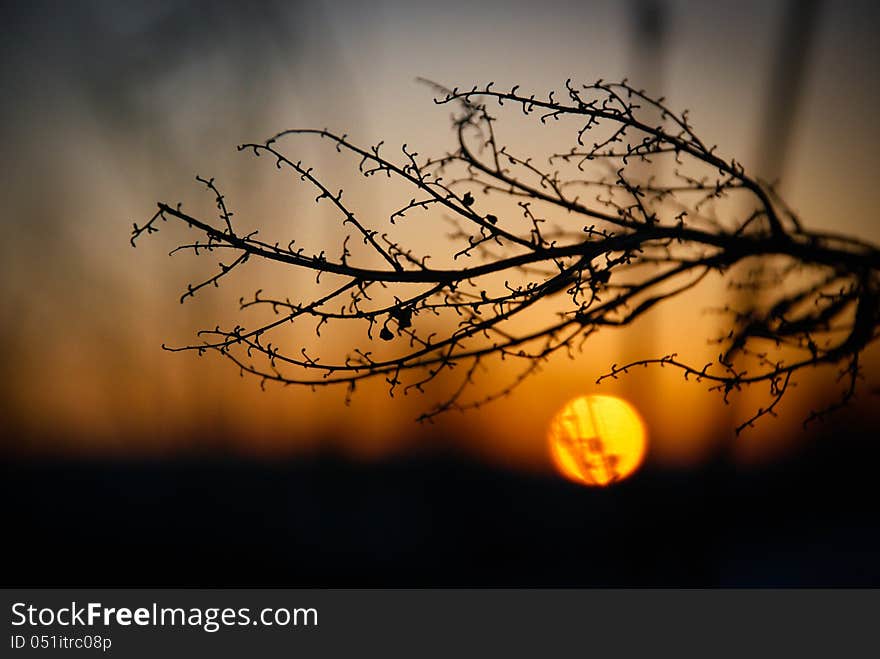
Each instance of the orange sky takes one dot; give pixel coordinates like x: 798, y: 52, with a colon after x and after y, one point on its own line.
x: 84, y: 372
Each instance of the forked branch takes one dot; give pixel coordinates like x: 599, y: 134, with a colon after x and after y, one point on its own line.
x: 544, y: 252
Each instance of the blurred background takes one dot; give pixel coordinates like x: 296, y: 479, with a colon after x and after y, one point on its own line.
x: 125, y: 463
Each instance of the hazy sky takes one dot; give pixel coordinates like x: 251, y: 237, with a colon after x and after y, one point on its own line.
x: 111, y: 106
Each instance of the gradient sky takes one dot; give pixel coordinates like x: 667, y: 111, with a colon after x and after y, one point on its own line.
x: 112, y: 106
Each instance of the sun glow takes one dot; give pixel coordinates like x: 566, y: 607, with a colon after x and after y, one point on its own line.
x: 597, y: 440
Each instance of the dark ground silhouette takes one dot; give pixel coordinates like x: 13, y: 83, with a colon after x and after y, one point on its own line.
x: 440, y: 521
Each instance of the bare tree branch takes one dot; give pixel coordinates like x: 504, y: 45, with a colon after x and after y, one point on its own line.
x: 592, y: 247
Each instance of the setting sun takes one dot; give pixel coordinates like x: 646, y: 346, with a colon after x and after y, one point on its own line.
x: 597, y: 440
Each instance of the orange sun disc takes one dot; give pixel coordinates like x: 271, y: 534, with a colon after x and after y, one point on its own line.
x: 597, y: 440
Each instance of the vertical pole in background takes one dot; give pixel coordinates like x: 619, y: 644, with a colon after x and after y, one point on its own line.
x: 648, y: 25
x: 648, y: 28
x: 778, y: 119
x: 786, y: 83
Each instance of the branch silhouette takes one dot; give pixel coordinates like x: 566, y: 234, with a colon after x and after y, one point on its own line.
x: 588, y: 247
